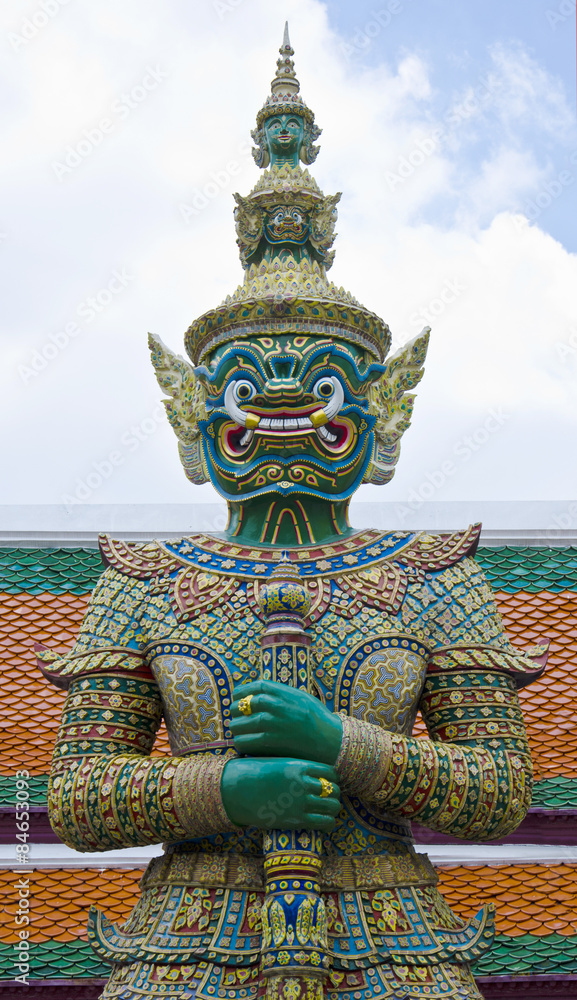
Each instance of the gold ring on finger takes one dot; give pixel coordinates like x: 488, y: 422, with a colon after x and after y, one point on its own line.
x: 244, y: 705
x: 326, y: 788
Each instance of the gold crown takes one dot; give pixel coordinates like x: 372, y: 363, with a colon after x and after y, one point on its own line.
x: 282, y: 296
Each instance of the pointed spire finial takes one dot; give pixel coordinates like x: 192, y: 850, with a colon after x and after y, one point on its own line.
x: 285, y: 81
x: 285, y: 99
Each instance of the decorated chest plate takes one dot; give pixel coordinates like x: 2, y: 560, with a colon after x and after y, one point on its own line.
x: 202, y: 630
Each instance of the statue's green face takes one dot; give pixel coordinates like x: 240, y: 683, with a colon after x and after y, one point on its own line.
x: 284, y: 135
x: 288, y: 414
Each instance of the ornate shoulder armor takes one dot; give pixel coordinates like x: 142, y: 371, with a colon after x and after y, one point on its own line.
x: 143, y: 560
x: 383, y: 583
x: 104, y: 645
x: 429, y: 552
x: 61, y: 670
x: 523, y: 666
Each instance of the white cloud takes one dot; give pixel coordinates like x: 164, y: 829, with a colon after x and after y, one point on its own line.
x: 511, y: 287
x: 504, y: 179
x: 524, y: 92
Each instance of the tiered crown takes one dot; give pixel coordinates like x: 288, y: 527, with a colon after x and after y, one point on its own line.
x: 285, y: 231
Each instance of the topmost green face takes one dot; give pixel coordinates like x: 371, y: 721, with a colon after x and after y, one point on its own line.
x: 288, y: 415
x: 284, y: 136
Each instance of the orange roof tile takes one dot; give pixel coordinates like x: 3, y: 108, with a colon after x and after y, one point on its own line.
x: 530, y: 899
x: 550, y: 703
x: 31, y: 705
x: 60, y: 899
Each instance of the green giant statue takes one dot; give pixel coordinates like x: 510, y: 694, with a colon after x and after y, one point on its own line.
x: 289, y: 656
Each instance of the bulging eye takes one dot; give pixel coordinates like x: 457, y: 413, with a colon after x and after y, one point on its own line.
x: 324, y: 388
x: 243, y: 391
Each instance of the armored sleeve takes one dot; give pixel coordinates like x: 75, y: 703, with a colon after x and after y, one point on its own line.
x: 473, y: 777
x: 105, y: 790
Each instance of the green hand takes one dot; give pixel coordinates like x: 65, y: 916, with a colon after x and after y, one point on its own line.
x: 285, y: 722
x: 280, y: 794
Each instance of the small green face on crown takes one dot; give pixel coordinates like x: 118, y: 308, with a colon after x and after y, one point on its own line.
x: 284, y: 136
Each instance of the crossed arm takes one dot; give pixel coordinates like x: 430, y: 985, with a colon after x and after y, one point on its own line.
x: 472, y: 778
x: 105, y: 790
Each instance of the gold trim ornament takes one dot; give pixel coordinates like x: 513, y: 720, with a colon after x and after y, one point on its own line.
x: 326, y: 788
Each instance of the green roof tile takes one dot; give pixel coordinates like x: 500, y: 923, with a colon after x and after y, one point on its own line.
x: 513, y: 956
x: 58, y: 571
x: 555, y: 793
x: 53, y: 960
x: 37, y: 790
x: 529, y: 569
x: 75, y: 571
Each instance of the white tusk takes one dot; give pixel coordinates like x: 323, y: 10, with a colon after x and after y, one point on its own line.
x: 231, y: 408
x: 335, y: 402
x: 320, y: 417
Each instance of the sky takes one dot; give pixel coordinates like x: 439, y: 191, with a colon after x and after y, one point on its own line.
x: 449, y: 128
